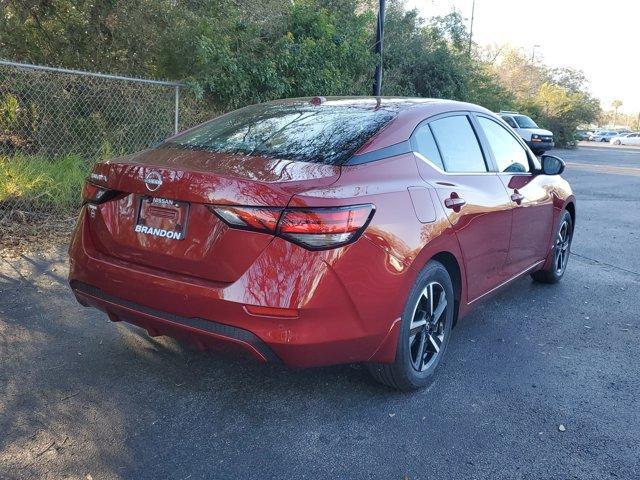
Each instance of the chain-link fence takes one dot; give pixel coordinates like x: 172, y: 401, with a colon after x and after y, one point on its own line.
x: 54, y: 123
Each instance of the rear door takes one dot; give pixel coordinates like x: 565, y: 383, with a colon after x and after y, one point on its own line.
x: 529, y: 195
x: 472, y: 196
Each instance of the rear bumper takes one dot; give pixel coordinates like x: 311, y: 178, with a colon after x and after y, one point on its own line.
x: 205, y: 334
x: 330, y: 327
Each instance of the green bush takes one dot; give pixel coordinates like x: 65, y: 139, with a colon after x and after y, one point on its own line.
x: 31, y: 183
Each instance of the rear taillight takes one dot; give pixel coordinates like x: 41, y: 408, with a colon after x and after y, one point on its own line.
x: 260, y: 219
x: 318, y: 228
x: 94, y: 194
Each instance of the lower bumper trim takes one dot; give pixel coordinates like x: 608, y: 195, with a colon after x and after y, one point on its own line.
x: 221, y: 330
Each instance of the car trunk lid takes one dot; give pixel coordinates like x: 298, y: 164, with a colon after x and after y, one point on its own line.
x: 160, y: 217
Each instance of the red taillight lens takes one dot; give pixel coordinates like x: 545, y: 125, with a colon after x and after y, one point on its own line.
x: 313, y: 228
x: 94, y: 194
x: 320, y: 228
x: 261, y: 219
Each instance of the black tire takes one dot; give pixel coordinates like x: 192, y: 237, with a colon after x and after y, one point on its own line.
x: 559, y: 254
x: 538, y: 152
x: 412, y: 370
x: 617, y: 142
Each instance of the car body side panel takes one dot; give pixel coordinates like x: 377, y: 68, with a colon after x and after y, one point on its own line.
x: 379, y: 285
x: 532, y: 219
x: 482, y: 225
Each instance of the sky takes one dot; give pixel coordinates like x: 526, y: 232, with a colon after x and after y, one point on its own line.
x: 601, y: 38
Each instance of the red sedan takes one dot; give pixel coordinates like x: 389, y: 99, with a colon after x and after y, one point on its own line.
x: 322, y: 231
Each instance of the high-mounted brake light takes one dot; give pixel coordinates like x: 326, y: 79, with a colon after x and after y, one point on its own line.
x: 318, y: 228
x: 315, y: 101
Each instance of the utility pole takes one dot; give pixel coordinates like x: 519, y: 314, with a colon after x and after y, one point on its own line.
x: 473, y: 11
x: 533, y: 53
x: 377, y: 78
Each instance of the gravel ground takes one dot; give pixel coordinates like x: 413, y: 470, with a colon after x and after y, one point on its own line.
x: 539, y: 382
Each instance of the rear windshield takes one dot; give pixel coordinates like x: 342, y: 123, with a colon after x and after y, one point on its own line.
x: 322, y: 134
x: 525, y: 122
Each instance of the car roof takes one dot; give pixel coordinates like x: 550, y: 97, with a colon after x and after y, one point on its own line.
x: 395, y: 104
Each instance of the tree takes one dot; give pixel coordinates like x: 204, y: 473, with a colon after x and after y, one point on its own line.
x: 557, y: 98
x: 616, y: 104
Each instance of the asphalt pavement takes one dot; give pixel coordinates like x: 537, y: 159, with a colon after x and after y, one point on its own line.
x: 540, y: 382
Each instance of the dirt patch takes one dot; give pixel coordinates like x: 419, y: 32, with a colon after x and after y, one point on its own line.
x: 31, y: 233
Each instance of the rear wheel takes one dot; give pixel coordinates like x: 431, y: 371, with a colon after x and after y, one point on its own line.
x: 424, y: 333
x: 617, y: 142
x: 560, y: 253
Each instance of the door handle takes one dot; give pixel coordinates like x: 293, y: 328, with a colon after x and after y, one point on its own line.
x: 517, y: 197
x: 454, y: 202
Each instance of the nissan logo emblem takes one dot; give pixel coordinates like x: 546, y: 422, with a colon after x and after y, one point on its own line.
x: 153, y: 181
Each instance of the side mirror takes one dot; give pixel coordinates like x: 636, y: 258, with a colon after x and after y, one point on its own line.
x: 552, y: 165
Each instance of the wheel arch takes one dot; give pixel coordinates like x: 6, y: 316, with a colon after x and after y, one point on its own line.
x: 453, y: 267
x: 386, y: 351
x: 571, y: 208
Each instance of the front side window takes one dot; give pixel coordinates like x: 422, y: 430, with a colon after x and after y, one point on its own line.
x: 458, y: 145
x: 509, y: 154
x: 328, y: 133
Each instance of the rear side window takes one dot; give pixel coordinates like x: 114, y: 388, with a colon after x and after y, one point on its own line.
x: 458, y: 145
x: 426, y: 145
x: 326, y: 133
x: 509, y: 154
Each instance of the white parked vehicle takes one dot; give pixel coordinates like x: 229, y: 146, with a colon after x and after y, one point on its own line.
x: 603, y: 136
x: 626, y: 139
x: 538, y: 139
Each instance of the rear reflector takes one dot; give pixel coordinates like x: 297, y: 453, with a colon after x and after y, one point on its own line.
x: 271, y: 311
x: 313, y: 228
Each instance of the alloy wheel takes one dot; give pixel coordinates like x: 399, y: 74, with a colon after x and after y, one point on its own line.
x: 427, y: 330
x: 561, y: 251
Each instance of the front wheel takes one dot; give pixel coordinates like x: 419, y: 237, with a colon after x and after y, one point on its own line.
x: 424, y: 332
x: 559, y: 254
x: 617, y: 142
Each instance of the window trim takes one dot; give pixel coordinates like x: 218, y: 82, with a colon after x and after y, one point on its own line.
x: 487, y: 158
x: 532, y: 165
